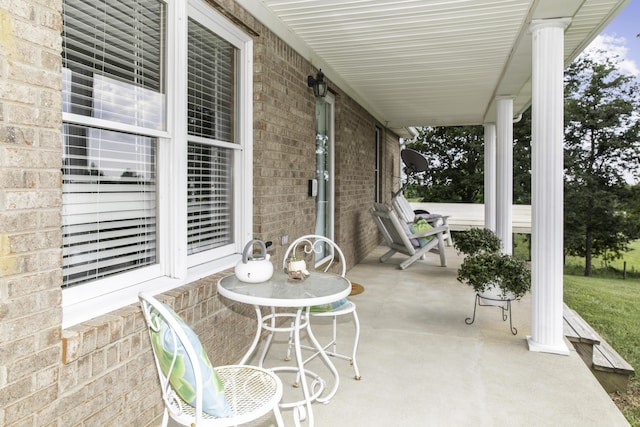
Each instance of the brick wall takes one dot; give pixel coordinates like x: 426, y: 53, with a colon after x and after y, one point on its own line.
x: 284, y: 155
x: 101, y: 372
x: 30, y: 201
x: 284, y: 142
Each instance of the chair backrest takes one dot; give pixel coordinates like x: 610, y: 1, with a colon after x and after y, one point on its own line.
x: 319, y: 252
x: 403, y: 208
x: 182, y: 363
x: 393, y: 230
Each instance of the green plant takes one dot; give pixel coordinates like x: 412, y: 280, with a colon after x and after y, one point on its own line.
x: 477, y: 240
x: 485, y: 270
x: 485, y: 267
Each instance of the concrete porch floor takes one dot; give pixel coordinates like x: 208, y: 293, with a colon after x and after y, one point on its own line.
x: 421, y: 365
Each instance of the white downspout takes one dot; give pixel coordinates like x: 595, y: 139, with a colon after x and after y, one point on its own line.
x: 490, y: 176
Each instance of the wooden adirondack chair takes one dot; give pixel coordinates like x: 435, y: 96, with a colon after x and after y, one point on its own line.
x: 407, y: 214
x: 400, y: 238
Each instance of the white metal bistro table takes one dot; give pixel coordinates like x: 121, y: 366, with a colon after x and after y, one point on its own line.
x: 319, y: 288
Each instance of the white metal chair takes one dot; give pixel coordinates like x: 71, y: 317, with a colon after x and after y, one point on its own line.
x: 321, y: 253
x: 407, y: 214
x: 398, y: 236
x: 189, y: 383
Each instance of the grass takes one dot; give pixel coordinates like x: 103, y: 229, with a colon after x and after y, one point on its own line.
x: 575, y: 265
x: 612, y: 307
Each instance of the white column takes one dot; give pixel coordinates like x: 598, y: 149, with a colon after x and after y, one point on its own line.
x: 490, y: 176
x: 504, y: 175
x: 547, y: 130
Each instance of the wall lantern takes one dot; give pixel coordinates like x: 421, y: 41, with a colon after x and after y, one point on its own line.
x: 318, y: 84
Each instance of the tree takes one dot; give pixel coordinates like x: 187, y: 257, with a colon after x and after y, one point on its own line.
x: 602, y: 151
x: 456, y: 164
x: 522, y: 159
x: 632, y: 205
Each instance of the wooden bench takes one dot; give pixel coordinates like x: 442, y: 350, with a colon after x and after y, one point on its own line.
x: 609, y: 368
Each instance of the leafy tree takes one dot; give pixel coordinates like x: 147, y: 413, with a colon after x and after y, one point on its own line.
x: 456, y: 164
x: 522, y: 166
x: 522, y: 160
x: 630, y: 208
x: 632, y: 205
x: 602, y: 151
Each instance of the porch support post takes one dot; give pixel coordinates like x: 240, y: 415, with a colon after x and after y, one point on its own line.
x: 547, y: 186
x: 490, y: 176
x: 504, y: 176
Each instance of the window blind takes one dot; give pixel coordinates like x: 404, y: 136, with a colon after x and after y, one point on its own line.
x: 109, y: 203
x: 209, y: 197
x: 210, y: 82
x: 210, y: 110
x: 113, y: 59
x: 113, y: 53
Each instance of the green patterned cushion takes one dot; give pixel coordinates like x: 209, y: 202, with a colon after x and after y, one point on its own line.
x: 336, y: 305
x: 420, y: 226
x: 182, y: 377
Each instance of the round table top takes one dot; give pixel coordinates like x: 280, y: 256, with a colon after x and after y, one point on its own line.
x: 319, y: 288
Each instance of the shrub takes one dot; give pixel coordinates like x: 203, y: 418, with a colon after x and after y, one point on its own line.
x: 485, y: 270
x: 477, y: 240
x: 485, y: 267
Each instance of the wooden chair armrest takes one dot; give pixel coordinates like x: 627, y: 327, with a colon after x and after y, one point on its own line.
x: 431, y: 232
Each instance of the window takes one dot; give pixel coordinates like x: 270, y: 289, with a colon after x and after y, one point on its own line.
x: 109, y: 203
x: 209, y: 198
x: 156, y: 149
x: 210, y: 110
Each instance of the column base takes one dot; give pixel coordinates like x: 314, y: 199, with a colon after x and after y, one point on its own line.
x: 544, y: 348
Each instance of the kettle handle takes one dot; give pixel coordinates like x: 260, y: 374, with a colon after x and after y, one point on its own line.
x: 245, y: 253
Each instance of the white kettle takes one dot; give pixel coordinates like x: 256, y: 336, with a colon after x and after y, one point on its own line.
x: 254, y: 270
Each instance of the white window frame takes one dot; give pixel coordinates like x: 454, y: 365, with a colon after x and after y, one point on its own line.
x: 174, y: 268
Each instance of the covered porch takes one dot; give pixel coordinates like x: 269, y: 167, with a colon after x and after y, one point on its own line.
x: 422, y: 365
x: 463, y: 63
x: 80, y: 355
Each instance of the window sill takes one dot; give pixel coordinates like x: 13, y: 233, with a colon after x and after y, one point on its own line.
x: 112, y: 321
x: 86, y: 310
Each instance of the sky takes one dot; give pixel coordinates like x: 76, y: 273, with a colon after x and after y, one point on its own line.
x: 620, y: 37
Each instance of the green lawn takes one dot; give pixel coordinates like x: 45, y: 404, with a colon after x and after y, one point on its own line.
x: 612, y: 307
x: 632, y: 258
x: 576, y: 264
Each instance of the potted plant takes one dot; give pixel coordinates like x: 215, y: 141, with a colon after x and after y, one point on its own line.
x: 477, y: 240
x: 496, y: 278
x: 493, y: 275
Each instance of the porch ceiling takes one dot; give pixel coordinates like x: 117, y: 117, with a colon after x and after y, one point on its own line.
x: 429, y: 62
